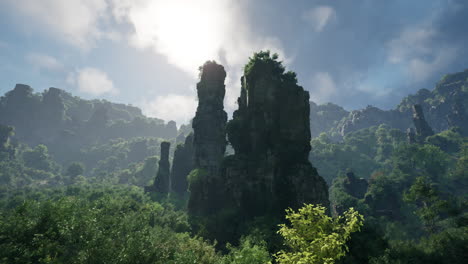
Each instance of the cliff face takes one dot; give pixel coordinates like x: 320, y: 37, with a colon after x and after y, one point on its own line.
x: 325, y: 117
x: 182, y: 164
x: 57, y: 118
x: 354, y: 186
x: 209, y: 124
x: 209, y: 143
x: 423, y: 130
x: 459, y: 117
x: 372, y: 116
x: 270, y: 135
x: 161, y: 182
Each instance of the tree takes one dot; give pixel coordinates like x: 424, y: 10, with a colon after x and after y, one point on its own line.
x: 75, y: 169
x: 39, y: 159
x: 249, y: 251
x: 314, y: 237
x: 426, y: 197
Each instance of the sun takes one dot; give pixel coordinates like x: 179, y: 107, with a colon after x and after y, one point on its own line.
x: 188, y: 32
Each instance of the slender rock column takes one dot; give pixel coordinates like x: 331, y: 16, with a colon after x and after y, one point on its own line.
x: 161, y: 183
x: 423, y: 130
x: 209, y: 124
x: 182, y: 165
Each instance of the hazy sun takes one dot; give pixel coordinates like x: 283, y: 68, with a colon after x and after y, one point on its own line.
x: 188, y: 32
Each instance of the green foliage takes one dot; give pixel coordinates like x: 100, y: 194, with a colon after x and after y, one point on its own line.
x: 98, y: 226
x: 449, y: 141
x: 426, y: 197
x: 264, y: 59
x: 194, y: 178
x: 249, y: 251
x: 38, y: 158
x: 446, y: 247
x: 415, y: 205
x: 363, y: 151
x: 75, y: 169
x: 314, y: 237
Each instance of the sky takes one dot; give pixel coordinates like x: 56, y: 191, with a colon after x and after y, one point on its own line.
x: 147, y: 52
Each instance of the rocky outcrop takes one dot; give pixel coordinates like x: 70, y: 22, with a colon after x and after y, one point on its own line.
x: 53, y: 110
x: 423, y: 130
x: 270, y: 135
x: 410, y: 136
x: 161, y: 182
x: 372, y: 116
x: 346, y: 191
x: 6, y: 150
x: 458, y: 117
x: 209, y: 124
x: 182, y: 164
x: 325, y: 117
x: 438, y: 106
x: 209, y: 142
x: 356, y: 187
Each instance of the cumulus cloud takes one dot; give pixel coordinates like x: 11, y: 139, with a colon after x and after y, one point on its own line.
x: 188, y: 33
x: 319, y: 17
x: 417, y: 51
x: 422, y: 69
x: 75, y: 21
x: 180, y: 108
x: 412, y: 42
x: 44, y: 62
x: 322, y: 87
x: 92, y: 81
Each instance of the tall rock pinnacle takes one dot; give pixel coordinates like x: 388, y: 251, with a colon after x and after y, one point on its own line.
x: 423, y: 130
x: 270, y: 134
x: 209, y: 124
x: 161, y: 182
x: 182, y: 165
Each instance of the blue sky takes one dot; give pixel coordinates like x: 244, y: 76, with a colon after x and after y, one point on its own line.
x: 146, y: 52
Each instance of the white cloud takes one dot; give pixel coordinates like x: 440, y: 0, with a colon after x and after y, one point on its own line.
x: 319, y: 17
x: 92, y: 81
x: 422, y: 69
x: 180, y: 108
x: 44, y: 62
x: 188, y: 33
x: 322, y: 87
x: 75, y: 21
x: 411, y: 42
x: 414, y: 49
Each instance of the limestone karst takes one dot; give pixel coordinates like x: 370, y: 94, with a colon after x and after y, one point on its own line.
x: 162, y: 180
x: 270, y: 135
x: 210, y: 119
x: 354, y: 186
x: 423, y: 130
x: 209, y: 141
x: 6, y: 150
x: 458, y: 118
x: 410, y: 135
x: 182, y: 164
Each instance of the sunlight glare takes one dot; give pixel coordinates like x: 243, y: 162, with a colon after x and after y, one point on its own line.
x: 188, y: 32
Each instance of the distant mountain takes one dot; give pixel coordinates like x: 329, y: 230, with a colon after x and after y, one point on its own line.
x: 445, y: 106
x: 325, y: 117
x: 62, y: 121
